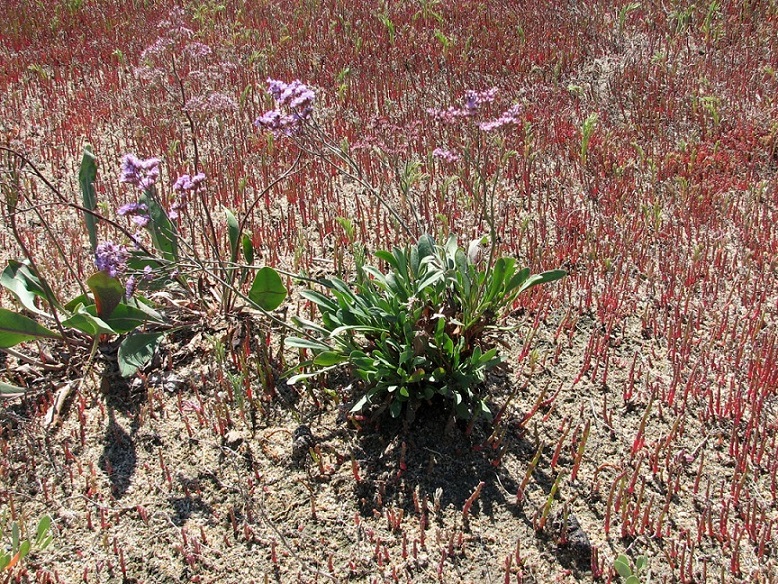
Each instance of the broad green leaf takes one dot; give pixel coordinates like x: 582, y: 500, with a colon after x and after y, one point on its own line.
x: 233, y: 233
x: 43, y: 528
x: 319, y: 299
x: 267, y: 290
x: 328, y: 358
x: 426, y: 246
x: 299, y: 343
x: 126, y: 318
x: 542, y: 278
x: 8, y: 390
x: 87, y: 175
x: 518, y: 279
x: 621, y: 564
x: 87, y: 323
x: 16, y: 328
x: 84, y: 299
x: 395, y: 408
x: 301, y: 376
x: 24, y: 284
x: 640, y: 563
x: 163, y: 232
x: 632, y: 579
x: 108, y: 292
x: 136, y: 351
x: 24, y: 549
x: 248, y: 249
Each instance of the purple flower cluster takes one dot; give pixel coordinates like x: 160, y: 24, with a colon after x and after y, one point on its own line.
x: 185, y: 185
x: 132, y: 282
x: 111, y: 258
x: 445, y: 155
x: 138, y: 212
x: 472, y: 103
x: 509, y: 116
x: 294, y: 106
x: 140, y: 173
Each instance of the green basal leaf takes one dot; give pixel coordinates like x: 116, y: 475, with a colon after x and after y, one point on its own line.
x: 8, y: 390
x: 84, y: 299
x: 87, y: 175
x: 426, y: 246
x: 267, y: 291
x: 43, y: 528
x: 329, y: 358
x: 17, y: 284
x: 16, y: 328
x: 24, y: 549
x: 621, y: 564
x: 542, y: 278
x: 136, y: 351
x: 248, y: 249
x: 20, y: 279
x: 298, y: 343
x: 125, y: 318
x: 303, y: 376
x: 233, y: 233
x: 320, y: 299
x: 163, y: 232
x: 87, y: 323
x: 108, y: 292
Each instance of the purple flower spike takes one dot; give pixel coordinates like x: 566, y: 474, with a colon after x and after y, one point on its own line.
x: 142, y: 174
x: 111, y: 258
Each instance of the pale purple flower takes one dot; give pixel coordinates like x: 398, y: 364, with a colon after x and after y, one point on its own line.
x: 111, y: 258
x: 294, y: 106
x: 213, y: 102
x: 186, y: 183
x: 148, y: 273
x: 132, y: 209
x: 197, y: 50
x: 141, y: 220
x: 510, y: 116
x: 475, y: 99
x: 137, y: 212
x: 472, y: 103
x: 130, y: 286
x: 445, y: 155
x: 184, y: 186
x: 138, y: 172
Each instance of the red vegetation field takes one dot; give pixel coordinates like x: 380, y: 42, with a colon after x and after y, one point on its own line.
x: 641, y: 390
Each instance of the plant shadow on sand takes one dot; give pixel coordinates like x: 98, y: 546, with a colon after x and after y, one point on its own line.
x: 119, y: 458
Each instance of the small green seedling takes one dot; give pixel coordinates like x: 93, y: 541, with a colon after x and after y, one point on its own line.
x: 13, y: 552
x: 630, y: 576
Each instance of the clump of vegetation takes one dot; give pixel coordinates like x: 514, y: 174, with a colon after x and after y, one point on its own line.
x: 419, y: 330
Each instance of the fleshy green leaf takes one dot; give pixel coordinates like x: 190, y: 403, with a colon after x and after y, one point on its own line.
x: 87, y: 323
x: 108, y: 292
x: 163, y: 232
x: 328, y: 358
x: 43, y: 528
x: 136, y: 351
x: 233, y: 233
x: 621, y: 564
x: 267, y: 290
x: 24, y: 284
x: 86, y: 179
x: 16, y: 328
x: 248, y: 249
x: 8, y: 390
